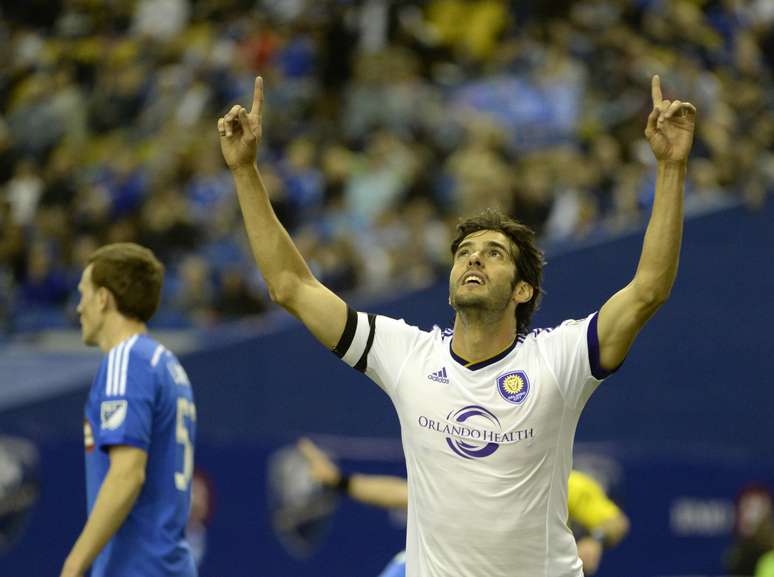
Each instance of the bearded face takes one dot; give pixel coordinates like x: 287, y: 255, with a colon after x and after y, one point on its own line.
x: 483, y: 273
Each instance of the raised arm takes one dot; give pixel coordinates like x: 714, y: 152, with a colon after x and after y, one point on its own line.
x: 670, y: 134
x: 291, y: 284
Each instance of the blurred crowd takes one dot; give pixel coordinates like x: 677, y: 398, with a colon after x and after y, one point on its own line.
x: 384, y: 122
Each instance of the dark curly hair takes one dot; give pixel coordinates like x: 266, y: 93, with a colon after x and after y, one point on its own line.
x: 528, y: 258
x: 133, y: 274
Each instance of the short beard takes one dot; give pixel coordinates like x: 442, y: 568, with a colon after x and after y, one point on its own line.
x: 484, y: 309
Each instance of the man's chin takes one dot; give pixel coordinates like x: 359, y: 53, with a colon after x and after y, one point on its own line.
x: 88, y: 339
x: 469, y: 302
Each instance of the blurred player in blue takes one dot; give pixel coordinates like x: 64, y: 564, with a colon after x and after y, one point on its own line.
x: 139, y: 427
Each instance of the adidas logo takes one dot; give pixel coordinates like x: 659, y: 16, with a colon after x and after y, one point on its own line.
x: 439, y: 376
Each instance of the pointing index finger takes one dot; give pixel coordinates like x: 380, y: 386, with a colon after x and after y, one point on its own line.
x: 257, y: 96
x: 655, y: 90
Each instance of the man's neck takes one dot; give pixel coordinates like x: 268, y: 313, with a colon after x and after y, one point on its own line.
x: 476, y: 340
x: 117, y: 329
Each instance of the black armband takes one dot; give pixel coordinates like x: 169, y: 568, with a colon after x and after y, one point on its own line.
x: 342, y: 485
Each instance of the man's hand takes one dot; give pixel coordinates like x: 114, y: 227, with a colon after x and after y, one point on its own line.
x: 320, y: 466
x: 670, y: 126
x: 240, y: 131
x: 590, y: 553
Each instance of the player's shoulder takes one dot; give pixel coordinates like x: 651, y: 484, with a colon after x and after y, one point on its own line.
x: 434, y: 338
x: 159, y: 363
x: 148, y: 356
x: 565, y: 327
x: 145, y: 350
x: 399, y: 335
x: 534, y: 337
x: 127, y: 366
x: 399, y: 327
x: 436, y: 334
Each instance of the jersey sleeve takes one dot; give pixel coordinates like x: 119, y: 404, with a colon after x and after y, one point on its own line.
x: 126, y: 402
x: 587, y: 503
x: 377, y: 346
x: 572, y: 352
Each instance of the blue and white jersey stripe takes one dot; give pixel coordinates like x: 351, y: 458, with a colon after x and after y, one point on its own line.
x: 157, y: 355
x: 118, y: 364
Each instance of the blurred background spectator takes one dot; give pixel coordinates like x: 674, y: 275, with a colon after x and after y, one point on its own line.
x: 388, y: 120
x: 753, y: 531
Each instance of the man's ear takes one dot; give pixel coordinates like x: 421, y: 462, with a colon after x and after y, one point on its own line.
x: 105, y: 299
x: 523, y: 292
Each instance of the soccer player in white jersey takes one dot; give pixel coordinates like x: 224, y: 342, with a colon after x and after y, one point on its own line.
x: 139, y: 427
x: 487, y: 412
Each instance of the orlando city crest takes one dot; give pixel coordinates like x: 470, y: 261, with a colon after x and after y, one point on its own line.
x: 513, y: 386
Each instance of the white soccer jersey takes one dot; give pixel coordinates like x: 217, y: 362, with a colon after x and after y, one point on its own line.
x: 488, y: 445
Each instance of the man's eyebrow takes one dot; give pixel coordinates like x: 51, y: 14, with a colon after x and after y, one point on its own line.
x: 498, y: 245
x: 488, y: 243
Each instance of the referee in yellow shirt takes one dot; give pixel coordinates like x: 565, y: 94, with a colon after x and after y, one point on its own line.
x: 602, y: 523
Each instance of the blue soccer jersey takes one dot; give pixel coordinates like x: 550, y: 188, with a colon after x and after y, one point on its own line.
x: 141, y: 397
